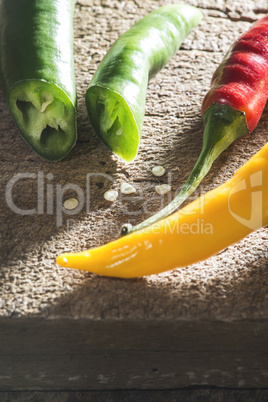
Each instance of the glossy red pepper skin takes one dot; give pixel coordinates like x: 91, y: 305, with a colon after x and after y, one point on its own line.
x: 241, y: 80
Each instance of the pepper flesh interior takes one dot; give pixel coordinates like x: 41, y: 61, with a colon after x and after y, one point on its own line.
x: 113, y: 121
x: 44, y: 117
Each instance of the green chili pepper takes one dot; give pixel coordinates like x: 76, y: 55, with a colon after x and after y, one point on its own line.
x: 37, y: 72
x: 115, y: 99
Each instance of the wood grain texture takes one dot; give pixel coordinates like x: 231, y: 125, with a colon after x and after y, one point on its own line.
x: 131, y: 354
x: 181, y: 395
x: 231, y: 286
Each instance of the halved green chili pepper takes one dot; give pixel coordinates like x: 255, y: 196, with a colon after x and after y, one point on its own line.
x: 115, y: 99
x: 37, y: 72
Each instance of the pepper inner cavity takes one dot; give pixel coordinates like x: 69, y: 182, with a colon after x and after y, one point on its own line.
x: 42, y: 115
x: 49, y: 133
x: 110, y: 116
x: 40, y: 101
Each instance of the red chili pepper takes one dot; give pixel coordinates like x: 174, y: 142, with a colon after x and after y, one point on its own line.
x: 230, y: 110
x: 241, y: 81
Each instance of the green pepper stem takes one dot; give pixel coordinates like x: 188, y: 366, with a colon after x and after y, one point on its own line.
x: 223, y: 125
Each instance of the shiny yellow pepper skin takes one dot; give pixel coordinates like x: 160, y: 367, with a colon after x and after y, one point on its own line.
x: 211, y: 223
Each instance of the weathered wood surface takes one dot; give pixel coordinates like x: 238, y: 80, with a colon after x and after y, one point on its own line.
x: 181, y: 395
x: 109, y: 354
x: 231, y: 286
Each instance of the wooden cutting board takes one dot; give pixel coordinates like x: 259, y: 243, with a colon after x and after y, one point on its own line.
x: 205, y: 324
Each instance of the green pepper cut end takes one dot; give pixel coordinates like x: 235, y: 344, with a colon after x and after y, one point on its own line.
x: 45, y: 117
x: 113, y: 121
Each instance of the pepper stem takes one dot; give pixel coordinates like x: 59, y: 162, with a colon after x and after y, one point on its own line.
x: 223, y: 125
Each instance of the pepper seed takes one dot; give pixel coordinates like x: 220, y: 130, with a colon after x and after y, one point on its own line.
x: 119, y: 131
x: 158, y: 171
x: 111, y: 195
x: 127, y: 188
x: 71, y: 203
x: 162, y: 189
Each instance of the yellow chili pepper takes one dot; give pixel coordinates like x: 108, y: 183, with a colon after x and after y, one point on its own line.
x: 211, y: 223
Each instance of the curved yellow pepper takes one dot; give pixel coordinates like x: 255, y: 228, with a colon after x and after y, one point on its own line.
x: 211, y: 223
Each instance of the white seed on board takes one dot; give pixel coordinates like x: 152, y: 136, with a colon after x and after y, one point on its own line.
x: 162, y: 189
x: 111, y: 195
x: 127, y: 188
x: 71, y: 203
x: 158, y: 171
